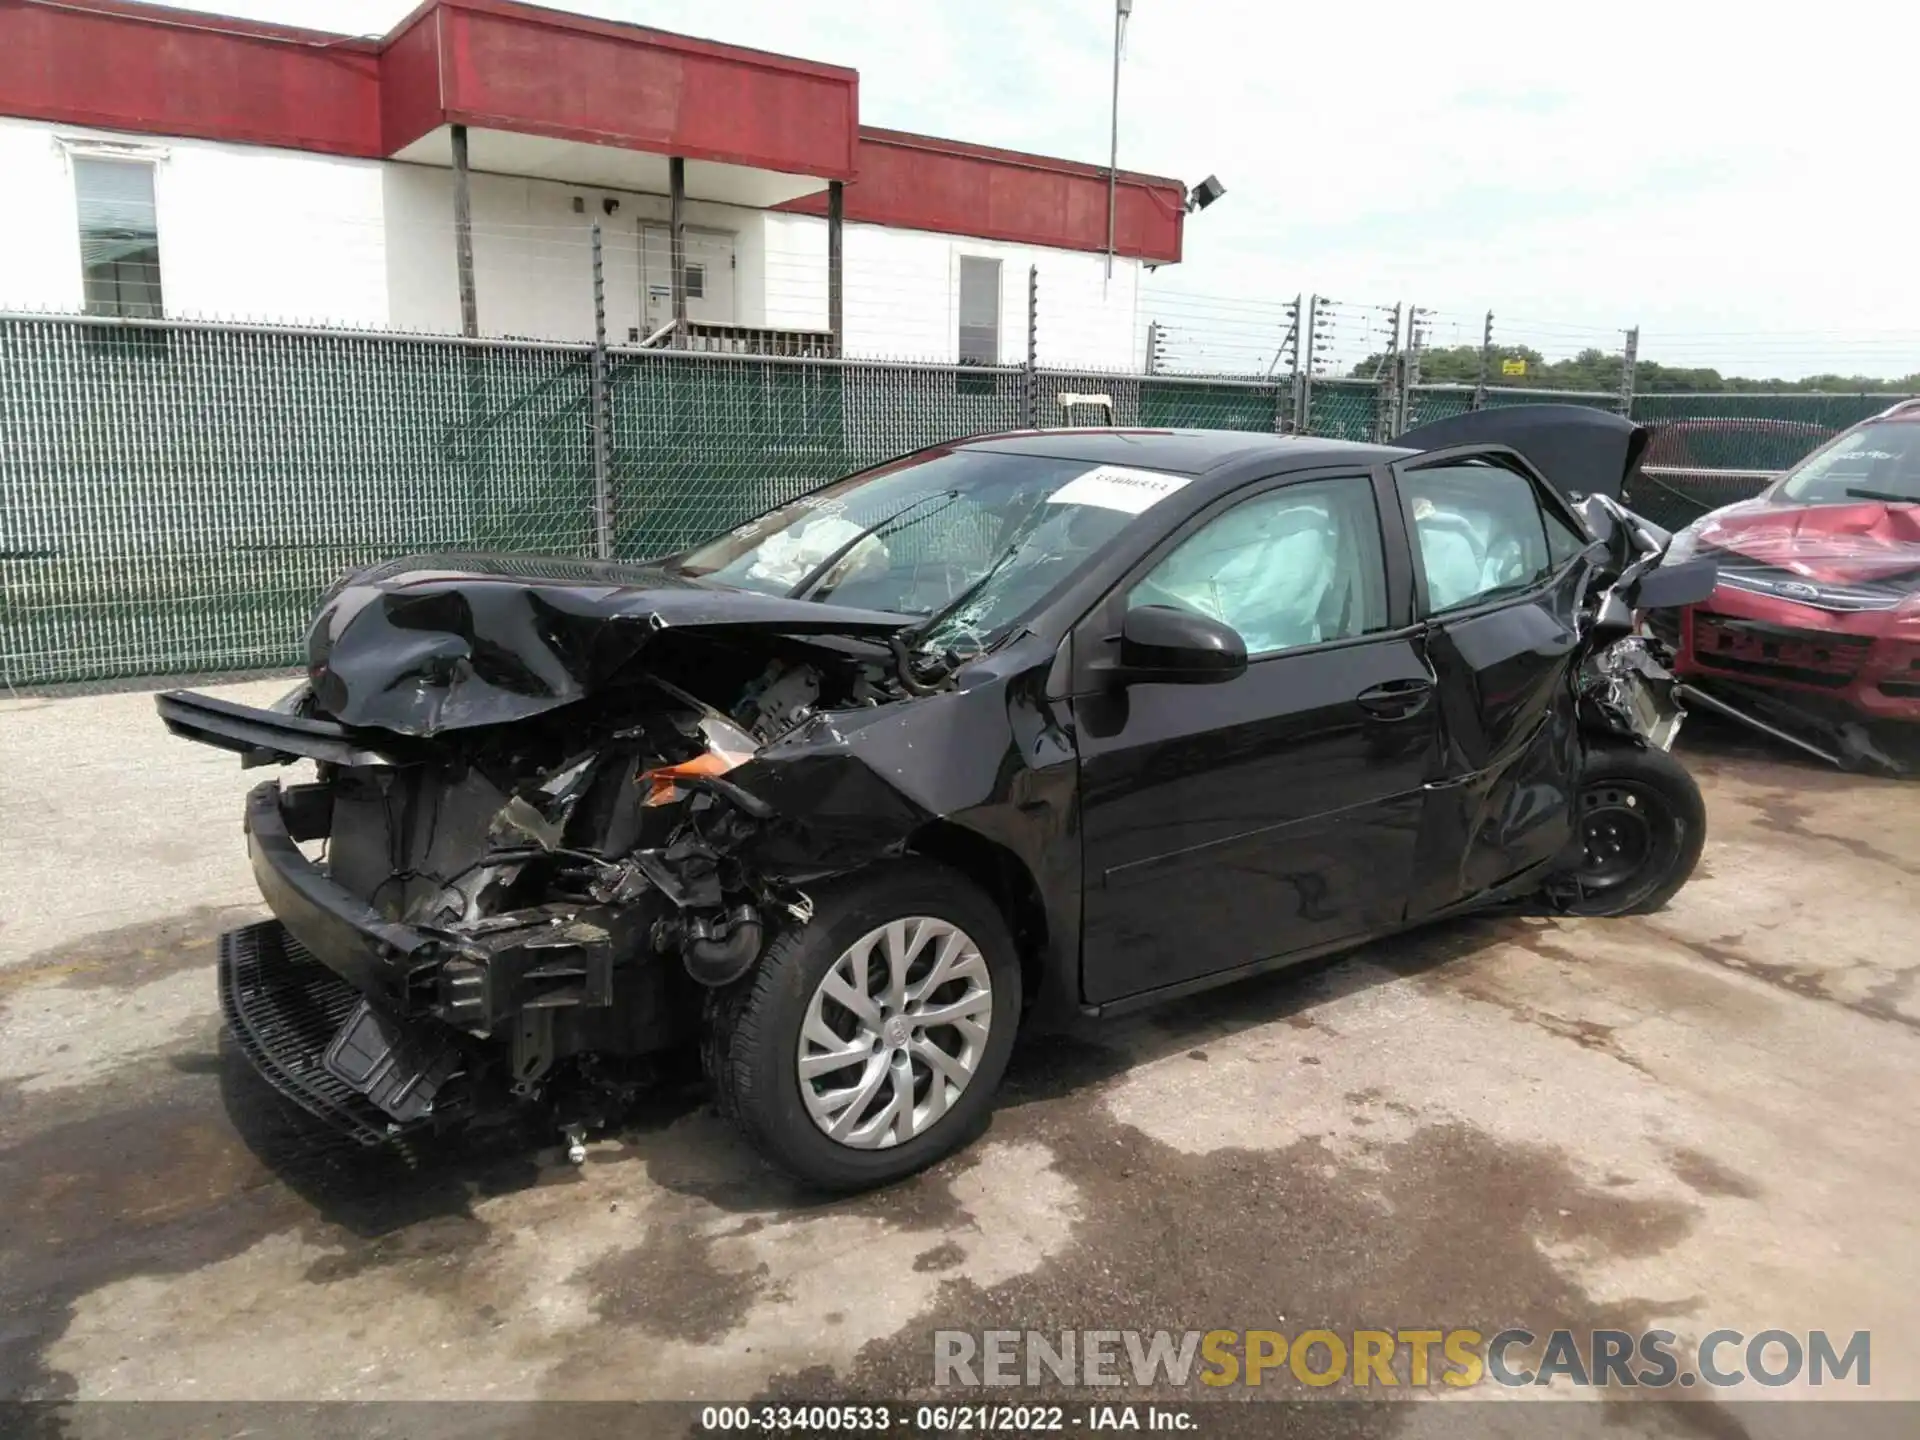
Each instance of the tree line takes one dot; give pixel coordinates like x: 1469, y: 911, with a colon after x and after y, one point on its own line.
x: 1595, y: 369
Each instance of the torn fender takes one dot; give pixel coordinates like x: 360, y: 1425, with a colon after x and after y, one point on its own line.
x: 854, y: 785
x: 447, y: 642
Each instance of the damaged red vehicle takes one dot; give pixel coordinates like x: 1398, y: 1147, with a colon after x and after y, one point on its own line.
x: 1813, y: 633
x: 1010, y: 731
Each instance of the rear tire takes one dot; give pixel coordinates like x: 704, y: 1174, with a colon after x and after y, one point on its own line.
x: 1640, y: 826
x: 780, y: 1017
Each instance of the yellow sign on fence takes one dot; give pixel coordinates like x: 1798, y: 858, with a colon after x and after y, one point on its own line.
x: 1513, y: 367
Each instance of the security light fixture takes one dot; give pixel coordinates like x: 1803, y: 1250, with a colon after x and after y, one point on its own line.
x: 1205, y: 193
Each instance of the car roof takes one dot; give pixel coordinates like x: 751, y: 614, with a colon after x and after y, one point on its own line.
x: 1183, y: 452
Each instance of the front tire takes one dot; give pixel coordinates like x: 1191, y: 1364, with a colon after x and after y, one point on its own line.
x: 1639, y: 829
x: 867, y: 1044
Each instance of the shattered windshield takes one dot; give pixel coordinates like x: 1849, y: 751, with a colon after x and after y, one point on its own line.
x: 971, y: 539
x: 1875, y: 462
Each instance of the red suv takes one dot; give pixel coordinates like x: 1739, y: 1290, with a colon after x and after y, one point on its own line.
x: 1814, y: 627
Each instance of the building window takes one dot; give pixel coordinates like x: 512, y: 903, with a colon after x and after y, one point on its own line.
x: 696, y: 282
x: 979, y: 311
x: 119, y: 237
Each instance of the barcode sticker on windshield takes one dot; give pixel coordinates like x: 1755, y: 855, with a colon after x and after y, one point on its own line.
x: 1115, y: 487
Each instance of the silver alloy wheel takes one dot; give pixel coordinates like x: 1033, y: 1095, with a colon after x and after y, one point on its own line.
x: 894, y: 1032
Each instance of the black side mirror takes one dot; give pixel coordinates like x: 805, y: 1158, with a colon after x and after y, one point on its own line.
x: 1166, y: 645
x: 1667, y: 587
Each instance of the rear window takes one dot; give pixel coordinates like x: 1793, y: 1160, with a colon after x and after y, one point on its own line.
x: 1879, y: 461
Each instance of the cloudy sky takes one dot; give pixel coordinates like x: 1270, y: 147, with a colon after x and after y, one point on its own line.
x: 1737, y: 180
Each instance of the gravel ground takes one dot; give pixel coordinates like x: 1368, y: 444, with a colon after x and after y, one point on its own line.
x: 1694, y: 1120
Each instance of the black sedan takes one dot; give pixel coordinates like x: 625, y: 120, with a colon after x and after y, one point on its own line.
x: 1008, y: 732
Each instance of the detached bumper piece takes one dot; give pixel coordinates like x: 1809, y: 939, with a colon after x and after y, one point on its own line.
x: 285, y: 1010
x: 264, y: 737
x: 398, y: 1067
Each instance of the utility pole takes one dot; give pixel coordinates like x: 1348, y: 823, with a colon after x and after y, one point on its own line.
x: 1410, y: 367
x: 1486, y: 365
x: 1290, y: 351
x: 1121, y: 10
x: 1386, y: 395
x: 1629, y: 361
x: 1309, y: 348
x: 1033, y: 347
x: 599, y: 412
x: 463, y: 235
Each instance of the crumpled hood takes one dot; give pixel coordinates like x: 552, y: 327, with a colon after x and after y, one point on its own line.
x: 447, y: 642
x: 1867, y: 540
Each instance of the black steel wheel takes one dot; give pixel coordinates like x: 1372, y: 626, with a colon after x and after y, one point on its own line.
x: 1639, y: 829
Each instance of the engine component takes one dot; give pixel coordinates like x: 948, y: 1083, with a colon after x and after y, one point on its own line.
x: 781, y: 699
x: 716, y: 951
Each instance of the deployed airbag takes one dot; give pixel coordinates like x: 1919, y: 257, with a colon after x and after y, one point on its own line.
x: 1263, y: 569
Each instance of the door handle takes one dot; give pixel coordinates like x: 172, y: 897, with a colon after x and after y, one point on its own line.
x: 1395, y: 699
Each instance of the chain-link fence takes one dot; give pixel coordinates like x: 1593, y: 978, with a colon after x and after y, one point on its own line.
x: 1706, y: 451
x: 174, y: 496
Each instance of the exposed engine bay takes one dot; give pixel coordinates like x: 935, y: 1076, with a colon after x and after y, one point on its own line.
x: 568, y: 884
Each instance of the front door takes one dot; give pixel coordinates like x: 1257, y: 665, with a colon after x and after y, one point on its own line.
x: 1276, y: 813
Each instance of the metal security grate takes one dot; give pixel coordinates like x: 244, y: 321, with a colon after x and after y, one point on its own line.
x: 283, y: 1008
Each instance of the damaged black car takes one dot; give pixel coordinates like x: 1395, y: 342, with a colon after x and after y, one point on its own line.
x: 1005, y: 733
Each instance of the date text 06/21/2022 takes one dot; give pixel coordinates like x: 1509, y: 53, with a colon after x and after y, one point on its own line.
x: 943, y: 1419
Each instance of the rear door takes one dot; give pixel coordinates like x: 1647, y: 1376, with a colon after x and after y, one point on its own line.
x: 1499, y: 572
x: 709, y: 258
x: 1276, y: 813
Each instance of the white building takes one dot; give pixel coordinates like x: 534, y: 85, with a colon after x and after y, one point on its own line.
x: 171, y: 163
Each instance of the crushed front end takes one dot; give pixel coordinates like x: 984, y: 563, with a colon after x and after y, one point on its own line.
x: 1812, y: 635
x: 522, y: 909
x: 481, y: 929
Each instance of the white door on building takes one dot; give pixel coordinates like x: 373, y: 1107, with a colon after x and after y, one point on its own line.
x: 622, y: 285
x: 709, y: 276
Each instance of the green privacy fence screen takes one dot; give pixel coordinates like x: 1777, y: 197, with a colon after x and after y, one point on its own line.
x: 174, y: 497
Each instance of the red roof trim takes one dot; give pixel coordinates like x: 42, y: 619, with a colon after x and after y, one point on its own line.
x: 940, y: 145
x: 660, y: 39
x: 207, y: 22
x: 951, y: 187
x: 517, y: 67
x: 118, y: 66
x: 147, y: 69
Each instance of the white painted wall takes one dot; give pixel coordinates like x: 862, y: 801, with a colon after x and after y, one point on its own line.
x: 39, y: 240
x: 245, y: 231
x: 903, y: 294
x: 248, y: 232
x: 532, y: 254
